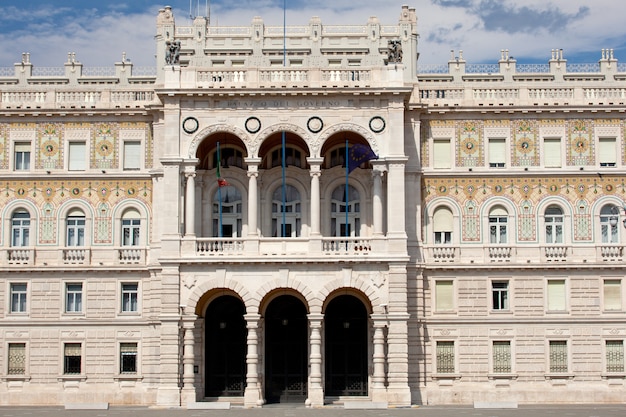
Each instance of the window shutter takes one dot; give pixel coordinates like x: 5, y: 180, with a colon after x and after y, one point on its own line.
x: 442, y: 220
x: 497, y: 151
x: 22, y: 147
x: 552, y: 153
x: 607, y: 153
x: 132, y: 155
x: 612, y: 294
x: 556, y: 295
x: 77, y: 156
x: 444, y: 296
x: 442, y: 156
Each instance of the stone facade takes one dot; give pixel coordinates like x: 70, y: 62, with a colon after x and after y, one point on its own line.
x: 187, y: 235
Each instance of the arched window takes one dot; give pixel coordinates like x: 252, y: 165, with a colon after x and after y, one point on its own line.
x: 293, y: 208
x: 608, y: 224
x: 498, y: 232
x: 338, y: 208
x: 443, y: 226
x: 20, y: 228
x: 231, y: 157
x: 227, y: 212
x: 75, y: 228
x: 131, y: 228
x: 293, y: 157
x: 554, y: 225
x: 336, y: 157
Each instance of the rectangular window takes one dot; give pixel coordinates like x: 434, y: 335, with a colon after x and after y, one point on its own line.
x: 442, y: 155
x: 130, y: 294
x: 72, y: 358
x: 615, y: 356
x: 16, y: 359
x: 74, y: 298
x: 500, y: 295
x: 607, y: 153
x: 497, y: 153
x: 77, y: 158
x: 502, y: 357
x: 613, y: 294
x: 556, y: 295
x: 444, y: 296
x: 128, y: 358
x: 18, y: 298
x: 443, y: 238
x: 558, y: 356
x: 75, y: 231
x: 445, y: 357
x: 22, y: 156
x: 552, y: 153
x: 130, y: 232
x: 132, y: 155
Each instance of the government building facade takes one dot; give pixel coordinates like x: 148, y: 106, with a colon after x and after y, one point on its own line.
x: 303, y: 214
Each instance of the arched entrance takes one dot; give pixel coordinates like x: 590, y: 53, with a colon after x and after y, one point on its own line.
x: 286, y: 350
x: 345, y: 324
x: 225, y: 340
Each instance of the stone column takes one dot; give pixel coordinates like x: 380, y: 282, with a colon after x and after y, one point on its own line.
x: 315, y: 173
x: 252, y: 395
x: 316, y: 391
x: 379, y: 392
x: 377, y: 198
x: 190, y: 204
x: 189, y: 390
x: 253, y: 199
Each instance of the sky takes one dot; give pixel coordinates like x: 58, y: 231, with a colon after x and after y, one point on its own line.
x: 99, y: 31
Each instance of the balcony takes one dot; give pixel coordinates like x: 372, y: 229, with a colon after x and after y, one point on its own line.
x: 68, y: 257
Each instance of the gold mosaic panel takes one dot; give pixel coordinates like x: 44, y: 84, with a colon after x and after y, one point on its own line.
x: 104, y: 152
x: 580, y: 146
x: 4, y: 146
x: 470, y: 152
x: 525, y: 149
x: 49, y: 146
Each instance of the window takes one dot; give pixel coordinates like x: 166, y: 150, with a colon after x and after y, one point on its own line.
x: 607, y: 153
x: 444, y: 295
x: 74, y: 298
x: 131, y: 227
x: 22, y: 156
x: 128, y: 358
x: 16, y: 359
x: 445, y: 357
x: 554, y: 225
x: 130, y: 298
x: 77, y: 159
x: 497, y: 153
x: 75, y: 229
x: 498, y: 225
x: 502, y: 357
x: 442, y: 154
x: 18, y: 297
x: 338, y: 208
x: 556, y: 295
x: 293, y: 207
x: 552, y: 153
x: 558, y: 356
x: 293, y: 157
x: 500, y: 295
x: 615, y: 356
x: 612, y: 294
x: 132, y: 155
x: 609, y: 231
x: 72, y: 358
x: 20, y: 229
x: 442, y: 226
x: 231, y: 157
x: 228, y: 212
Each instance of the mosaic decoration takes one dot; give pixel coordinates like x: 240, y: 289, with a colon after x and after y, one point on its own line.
x: 580, y: 143
x: 470, y: 151
x: 424, y: 151
x: 4, y: 146
x: 525, y: 193
x: 49, y: 146
x: 101, y: 195
x: 104, y: 153
x: 525, y: 147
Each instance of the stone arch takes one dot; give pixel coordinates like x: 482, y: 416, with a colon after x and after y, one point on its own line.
x: 356, y: 285
x: 251, y: 144
x: 286, y: 127
x: 233, y: 286
x: 313, y: 303
x: 350, y: 127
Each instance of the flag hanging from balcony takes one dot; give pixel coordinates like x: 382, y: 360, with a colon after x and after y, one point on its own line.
x: 358, y: 154
x: 221, y: 182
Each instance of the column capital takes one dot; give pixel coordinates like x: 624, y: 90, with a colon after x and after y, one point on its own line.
x: 252, y: 174
x: 190, y: 164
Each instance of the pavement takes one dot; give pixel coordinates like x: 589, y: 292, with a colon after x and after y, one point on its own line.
x: 564, y: 410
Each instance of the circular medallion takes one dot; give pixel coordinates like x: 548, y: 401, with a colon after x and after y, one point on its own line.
x: 609, y: 188
x: 190, y: 125
x: 443, y: 189
x: 498, y: 189
x: 105, y: 148
x: 315, y: 124
x: 470, y: 145
x: 524, y: 146
x: 75, y: 191
x: 377, y: 124
x: 253, y: 124
x: 131, y: 191
x: 49, y: 148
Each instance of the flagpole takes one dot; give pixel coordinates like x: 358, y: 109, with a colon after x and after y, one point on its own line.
x: 283, y: 163
x: 219, y: 190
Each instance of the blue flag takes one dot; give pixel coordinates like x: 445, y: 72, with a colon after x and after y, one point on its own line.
x: 358, y: 154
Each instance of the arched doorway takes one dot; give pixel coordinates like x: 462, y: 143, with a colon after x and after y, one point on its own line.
x: 225, y: 340
x: 286, y: 350
x: 345, y: 324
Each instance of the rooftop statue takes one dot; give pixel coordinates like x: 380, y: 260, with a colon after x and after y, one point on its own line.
x: 172, y: 52
x: 394, y: 51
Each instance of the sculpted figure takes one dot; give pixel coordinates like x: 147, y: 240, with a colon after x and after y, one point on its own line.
x: 172, y: 52
x: 394, y: 51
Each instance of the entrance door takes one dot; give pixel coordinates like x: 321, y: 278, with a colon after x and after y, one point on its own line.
x: 225, y: 340
x: 345, y: 324
x: 286, y: 350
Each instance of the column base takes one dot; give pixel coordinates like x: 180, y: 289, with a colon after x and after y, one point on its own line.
x: 316, y: 398
x: 399, y: 396
x: 188, y: 395
x: 252, y: 398
x: 168, y: 397
x: 379, y: 394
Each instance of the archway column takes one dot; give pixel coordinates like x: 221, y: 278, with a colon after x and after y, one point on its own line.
x: 253, y: 199
x: 379, y: 391
x: 315, y: 172
x: 190, y: 197
x: 316, y: 390
x: 377, y: 197
x: 189, y: 390
x: 253, y: 396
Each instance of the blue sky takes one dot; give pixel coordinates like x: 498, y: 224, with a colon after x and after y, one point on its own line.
x: 99, y: 31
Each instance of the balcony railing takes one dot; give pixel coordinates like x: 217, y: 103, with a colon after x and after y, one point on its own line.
x: 219, y: 246
x: 611, y: 253
x: 73, y: 256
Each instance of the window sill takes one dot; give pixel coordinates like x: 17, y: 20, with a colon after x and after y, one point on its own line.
x: 616, y: 375
x: 446, y: 376
x: 502, y: 376
x: 8, y: 378
x: 128, y: 377
x: 563, y: 375
x: 79, y: 378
